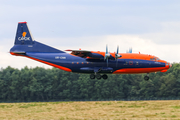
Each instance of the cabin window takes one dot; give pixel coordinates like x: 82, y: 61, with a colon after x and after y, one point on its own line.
x: 87, y: 62
x: 137, y: 63
x: 82, y: 63
x: 125, y: 63
x: 130, y: 62
x: 77, y: 62
x: 154, y: 59
x: 151, y: 59
x: 72, y: 62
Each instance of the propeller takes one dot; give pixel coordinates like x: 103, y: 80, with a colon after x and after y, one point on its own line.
x: 117, y: 55
x: 130, y: 50
x: 107, y: 55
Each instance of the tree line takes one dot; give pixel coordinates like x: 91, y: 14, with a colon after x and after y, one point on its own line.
x: 40, y: 84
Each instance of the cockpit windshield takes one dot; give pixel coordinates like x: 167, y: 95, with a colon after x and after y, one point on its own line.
x: 154, y: 59
x: 157, y: 58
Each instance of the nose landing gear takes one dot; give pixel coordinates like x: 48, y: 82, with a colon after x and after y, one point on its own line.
x: 146, y: 77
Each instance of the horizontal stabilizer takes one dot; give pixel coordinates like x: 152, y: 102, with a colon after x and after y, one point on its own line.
x: 19, y: 52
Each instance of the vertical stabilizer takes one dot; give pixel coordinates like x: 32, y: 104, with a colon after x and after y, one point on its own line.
x: 23, y: 35
x: 24, y: 42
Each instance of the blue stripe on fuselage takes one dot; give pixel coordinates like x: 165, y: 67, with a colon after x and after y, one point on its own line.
x: 76, y: 63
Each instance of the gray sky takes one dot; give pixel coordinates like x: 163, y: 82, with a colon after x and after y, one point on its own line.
x: 148, y: 26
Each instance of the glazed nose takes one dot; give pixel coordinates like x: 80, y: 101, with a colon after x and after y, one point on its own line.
x: 169, y: 64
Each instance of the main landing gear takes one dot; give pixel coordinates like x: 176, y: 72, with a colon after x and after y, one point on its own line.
x: 146, y: 77
x: 98, y: 76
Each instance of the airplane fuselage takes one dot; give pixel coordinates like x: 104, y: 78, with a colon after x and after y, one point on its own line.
x: 83, y: 61
x: 71, y: 63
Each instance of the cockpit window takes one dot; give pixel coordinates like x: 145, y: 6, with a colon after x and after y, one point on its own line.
x: 154, y: 59
x: 157, y: 59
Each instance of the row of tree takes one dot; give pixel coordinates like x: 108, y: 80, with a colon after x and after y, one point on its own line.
x: 40, y: 84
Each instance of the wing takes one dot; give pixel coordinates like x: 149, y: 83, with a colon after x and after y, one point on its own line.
x: 88, y: 54
x: 79, y: 53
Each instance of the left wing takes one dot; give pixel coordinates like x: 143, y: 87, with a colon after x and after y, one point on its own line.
x: 80, y: 53
x: 88, y: 54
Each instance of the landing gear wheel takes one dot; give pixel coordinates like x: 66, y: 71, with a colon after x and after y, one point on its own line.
x: 98, y: 76
x: 92, y: 76
x: 104, y: 76
x: 146, y: 78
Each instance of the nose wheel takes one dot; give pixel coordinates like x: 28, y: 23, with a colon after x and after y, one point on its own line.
x: 98, y: 76
x: 146, y: 77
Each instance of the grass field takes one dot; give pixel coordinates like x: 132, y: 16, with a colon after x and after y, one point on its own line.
x: 92, y: 110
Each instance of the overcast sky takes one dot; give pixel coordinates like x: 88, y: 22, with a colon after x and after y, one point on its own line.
x: 148, y: 26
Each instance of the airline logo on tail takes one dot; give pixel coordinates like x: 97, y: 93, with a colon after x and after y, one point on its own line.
x: 23, y: 37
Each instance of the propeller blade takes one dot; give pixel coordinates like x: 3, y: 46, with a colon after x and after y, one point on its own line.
x: 106, y: 49
x: 107, y: 62
x: 107, y: 55
x: 117, y: 49
x: 116, y: 62
x: 117, y: 55
x: 130, y: 50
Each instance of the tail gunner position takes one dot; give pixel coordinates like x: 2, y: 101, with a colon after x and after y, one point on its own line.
x: 97, y: 64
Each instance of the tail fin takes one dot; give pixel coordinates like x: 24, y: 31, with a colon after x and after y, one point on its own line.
x: 24, y: 42
x: 23, y: 35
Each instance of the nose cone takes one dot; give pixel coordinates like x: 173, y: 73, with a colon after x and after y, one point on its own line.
x: 167, y: 64
x: 170, y: 65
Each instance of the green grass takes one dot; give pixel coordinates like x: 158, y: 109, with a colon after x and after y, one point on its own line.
x: 6, y: 106
x: 91, y: 110
x: 176, y: 107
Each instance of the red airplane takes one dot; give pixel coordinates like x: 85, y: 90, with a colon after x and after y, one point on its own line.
x: 97, y: 64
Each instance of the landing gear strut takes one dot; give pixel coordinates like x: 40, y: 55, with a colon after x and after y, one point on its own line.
x: 146, y: 77
x: 98, y: 76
